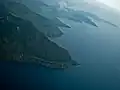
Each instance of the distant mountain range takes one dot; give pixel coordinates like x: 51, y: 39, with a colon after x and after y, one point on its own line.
x: 97, y: 8
x: 55, y: 10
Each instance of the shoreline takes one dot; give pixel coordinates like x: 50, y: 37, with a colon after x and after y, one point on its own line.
x: 45, y: 63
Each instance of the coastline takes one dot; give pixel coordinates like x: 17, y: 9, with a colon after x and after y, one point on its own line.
x: 49, y: 64
x: 45, y: 63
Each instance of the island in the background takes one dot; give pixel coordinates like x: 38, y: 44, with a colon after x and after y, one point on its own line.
x: 21, y: 41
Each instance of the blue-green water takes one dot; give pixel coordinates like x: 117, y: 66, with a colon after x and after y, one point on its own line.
x: 87, y: 77
x: 98, y: 51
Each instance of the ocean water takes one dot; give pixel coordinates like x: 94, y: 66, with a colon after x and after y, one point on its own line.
x: 98, y: 51
x: 16, y: 76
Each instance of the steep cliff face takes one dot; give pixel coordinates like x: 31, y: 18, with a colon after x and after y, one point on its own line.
x: 21, y: 41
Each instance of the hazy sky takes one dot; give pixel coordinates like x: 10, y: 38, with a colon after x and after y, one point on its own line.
x: 112, y: 3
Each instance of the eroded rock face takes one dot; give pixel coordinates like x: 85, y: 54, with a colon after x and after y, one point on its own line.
x: 21, y: 41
